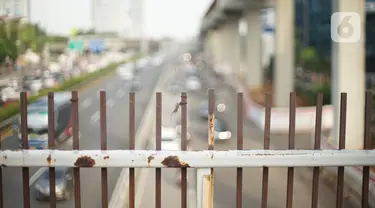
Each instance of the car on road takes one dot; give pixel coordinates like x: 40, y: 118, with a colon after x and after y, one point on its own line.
x: 75, y: 72
x: 176, y: 86
x: 170, y: 139
x: 156, y: 61
x: 14, y: 83
x: 36, y: 85
x: 125, y: 72
x: 37, y: 121
x: 143, y: 62
x: 33, y: 83
x: 63, y: 184
x: 192, y: 72
x: 203, y: 109
x: 8, y: 94
x: 221, y: 131
x: 193, y: 83
x: 48, y: 80
x: 135, y: 84
x: 59, y: 77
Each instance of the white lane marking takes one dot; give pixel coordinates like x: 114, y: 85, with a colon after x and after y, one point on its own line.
x: 110, y: 103
x: 95, y: 117
x: 36, y: 175
x: 120, y: 93
x: 86, y: 103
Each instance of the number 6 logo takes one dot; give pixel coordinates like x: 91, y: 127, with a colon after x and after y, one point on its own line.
x: 346, y: 27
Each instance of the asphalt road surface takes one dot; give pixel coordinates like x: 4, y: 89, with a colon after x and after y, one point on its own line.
x: 171, y: 189
x: 225, y: 178
x: 117, y: 127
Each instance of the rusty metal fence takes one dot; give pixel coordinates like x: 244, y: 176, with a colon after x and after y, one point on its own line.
x: 204, y: 161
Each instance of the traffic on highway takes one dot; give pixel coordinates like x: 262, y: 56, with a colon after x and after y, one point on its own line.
x: 117, y: 89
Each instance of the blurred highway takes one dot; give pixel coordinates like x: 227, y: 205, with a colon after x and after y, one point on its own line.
x: 225, y: 178
x: 117, y: 127
x: 170, y: 185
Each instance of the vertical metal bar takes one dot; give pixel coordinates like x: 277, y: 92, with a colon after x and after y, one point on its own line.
x: 211, y: 118
x: 266, y: 145
x: 158, y: 147
x: 25, y: 145
x: 342, y: 137
x: 1, y: 176
x: 75, y: 128
x: 131, y: 147
x: 51, y: 145
x: 183, y: 104
x: 318, y: 134
x: 103, y: 146
x: 211, y: 123
x: 292, y: 132
x: 367, y: 146
x: 239, y: 147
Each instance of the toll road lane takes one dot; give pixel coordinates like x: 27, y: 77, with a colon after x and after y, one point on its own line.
x: 117, y: 122
x: 225, y: 178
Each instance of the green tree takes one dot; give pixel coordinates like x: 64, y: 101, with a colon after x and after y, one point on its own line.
x: 311, y: 60
x: 14, y: 32
x: 7, y: 48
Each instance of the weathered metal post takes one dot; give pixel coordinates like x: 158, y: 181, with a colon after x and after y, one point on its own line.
x: 204, y: 198
x: 205, y: 176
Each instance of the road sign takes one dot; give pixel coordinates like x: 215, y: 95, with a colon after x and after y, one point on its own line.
x: 97, y: 45
x: 76, y: 45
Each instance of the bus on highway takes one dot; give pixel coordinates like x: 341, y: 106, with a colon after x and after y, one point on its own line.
x: 37, y: 121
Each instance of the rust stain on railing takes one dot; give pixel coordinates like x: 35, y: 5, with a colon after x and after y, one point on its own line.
x: 174, y: 162
x: 84, y: 161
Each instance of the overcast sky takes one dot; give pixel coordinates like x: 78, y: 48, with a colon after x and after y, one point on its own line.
x: 176, y: 18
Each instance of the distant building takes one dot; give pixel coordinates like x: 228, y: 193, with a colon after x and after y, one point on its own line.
x: 14, y: 8
x: 123, y: 17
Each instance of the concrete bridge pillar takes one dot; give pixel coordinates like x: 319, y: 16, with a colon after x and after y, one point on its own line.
x: 254, y: 73
x: 348, y: 72
x: 284, y: 71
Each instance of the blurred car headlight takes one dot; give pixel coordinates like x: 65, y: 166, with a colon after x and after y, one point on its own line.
x: 225, y: 135
x: 44, y: 190
x: 60, y: 189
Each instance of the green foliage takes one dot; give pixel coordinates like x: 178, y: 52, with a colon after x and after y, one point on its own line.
x: 15, y: 36
x: 312, y: 94
x: 312, y: 61
x: 7, y: 48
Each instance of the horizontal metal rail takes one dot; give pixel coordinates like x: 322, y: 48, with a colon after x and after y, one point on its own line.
x: 194, y: 159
